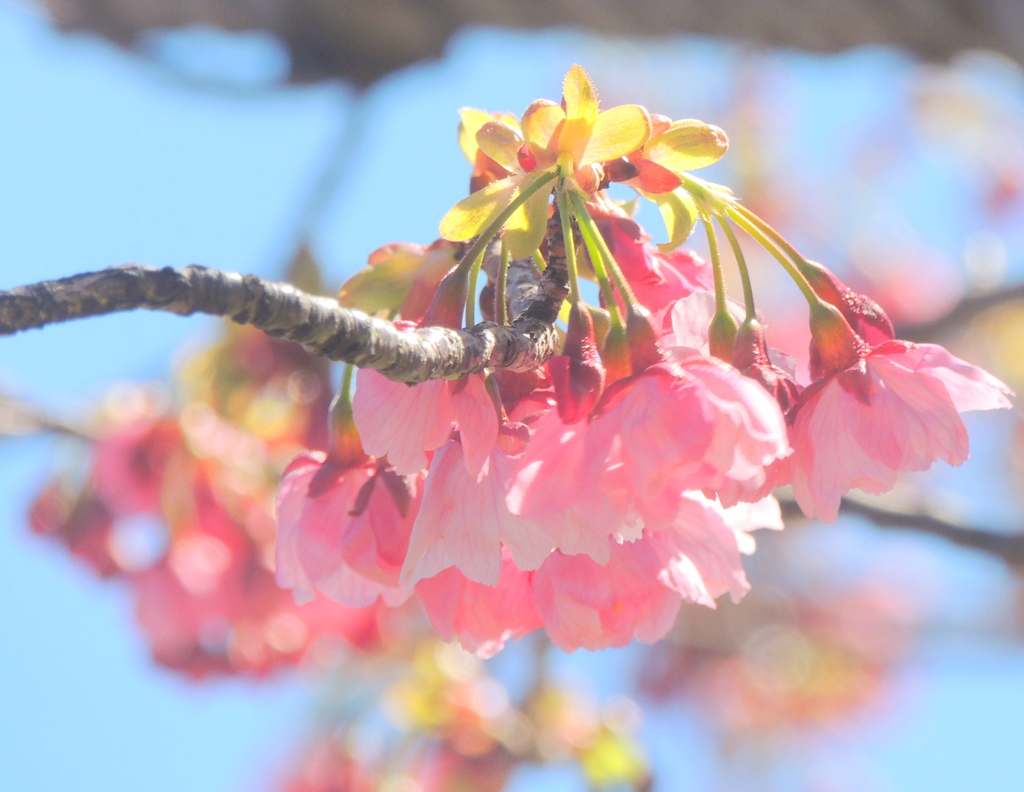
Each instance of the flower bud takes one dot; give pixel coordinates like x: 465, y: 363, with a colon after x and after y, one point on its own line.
x: 750, y: 357
x: 643, y: 341
x: 865, y: 316
x: 577, y: 375
x: 722, y: 335
x: 834, y: 345
x: 449, y: 303
x: 345, y: 447
x: 615, y: 355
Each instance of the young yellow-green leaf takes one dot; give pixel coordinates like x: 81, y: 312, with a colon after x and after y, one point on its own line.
x: 679, y: 211
x: 525, y: 230
x: 470, y: 123
x: 581, y: 112
x: 541, y: 124
x: 501, y: 142
x: 385, y: 283
x: 688, y: 145
x: 471, y: 215
x: 580, y: 96
x: 616, y: 133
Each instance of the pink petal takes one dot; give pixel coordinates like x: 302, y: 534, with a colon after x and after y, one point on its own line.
x: 400, y: 421
x: 481, y: 617
x: 970, y: 387
x: 701, y: 534
x: 477, y: 418
x: 586, y: 605
x: 463, y: 522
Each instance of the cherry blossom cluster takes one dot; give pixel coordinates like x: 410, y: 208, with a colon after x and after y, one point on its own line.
x: 595, y: 495
x: 175, y: 502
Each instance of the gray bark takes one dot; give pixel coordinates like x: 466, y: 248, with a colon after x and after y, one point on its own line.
x: 318, y: 323
x: 362, y: 41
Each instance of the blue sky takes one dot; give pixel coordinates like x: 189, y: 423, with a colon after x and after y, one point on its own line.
x: 104, y: 160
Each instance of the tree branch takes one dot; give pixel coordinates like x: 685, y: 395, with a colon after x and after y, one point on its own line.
x: 1007, y: 546
x: 363, y: 43
x: 18, y: 418
x: 318, y: 323
x: 964, y: 311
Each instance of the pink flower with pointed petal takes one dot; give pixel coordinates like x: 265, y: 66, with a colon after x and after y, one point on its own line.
x: 131, y: 462
x: 569, y: 493
x: 897, y: 409
x: 343, y: 530
x: 638, y: 592
x: 464, y: 521
x: 698, y: 425
x: 585, y: 605
x: 406, y: 422
x: 669, y: 429
x: 481, y: 617
x: 704, y: 550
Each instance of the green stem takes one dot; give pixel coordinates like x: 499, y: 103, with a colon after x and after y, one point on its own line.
x: 474, y: 257
x: 588, y: 226
x: 569, y: 241
x: 476, y: 250
x: 344, y: 447
x: 538, y: 259
x: 716, y: 266
x: 741, y: 264
x: 597, y: 260
x: 500, y: 305
x: 769, y: 245
x: 772, y: 234
x: 346, y: 382
x: 474, y: 276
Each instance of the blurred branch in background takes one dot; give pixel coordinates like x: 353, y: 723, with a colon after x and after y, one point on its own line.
x: 968, y: 309
x: 364, y: 42
x: 1007, y: 546
x: 19, y: 418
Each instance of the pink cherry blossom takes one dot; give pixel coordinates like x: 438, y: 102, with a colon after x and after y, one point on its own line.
x: 672, y: 428
x: 130, y: 464
x: 585, y: 605
x: 579, y: 500
x: 464, y: 521
x: 897, y: 409
x: 211, y: 604
x: 638, y: 593
x: 698, y: 425
x: 343, y: 530
x: 702, y: 550
x: 481, y: 617
x: 406, y: 422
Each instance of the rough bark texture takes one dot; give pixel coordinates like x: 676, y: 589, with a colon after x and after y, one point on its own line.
x: 362, y: 41
x: 318, y: 323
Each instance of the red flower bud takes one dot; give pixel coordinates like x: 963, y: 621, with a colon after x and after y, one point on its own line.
x: 750, y: 357
x: 449, y: 303
x: 643, y: 342
x: 577, y: 375
x: 865, y: 316
x: 834, y: 344
x: 345, y: 449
